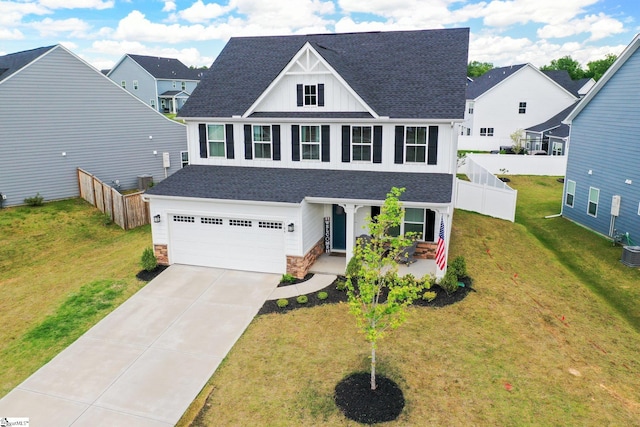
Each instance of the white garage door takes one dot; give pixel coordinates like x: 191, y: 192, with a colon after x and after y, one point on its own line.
x: 237, y: 244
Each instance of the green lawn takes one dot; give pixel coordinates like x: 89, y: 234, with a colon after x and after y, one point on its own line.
x: 536, y: 344
x: 62, y: 268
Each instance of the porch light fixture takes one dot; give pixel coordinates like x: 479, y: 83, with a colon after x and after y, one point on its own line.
x: 156, y: 218
x: 290, y: 228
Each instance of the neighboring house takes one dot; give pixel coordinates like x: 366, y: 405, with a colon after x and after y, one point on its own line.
x: 602, y: 184
x: 45, y: 134
x: 296, y: 140
x: 506, y: 99
x: 163, y: 83
x: 550, y: 137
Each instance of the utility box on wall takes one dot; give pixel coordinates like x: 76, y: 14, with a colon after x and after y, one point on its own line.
x: 144, y: 182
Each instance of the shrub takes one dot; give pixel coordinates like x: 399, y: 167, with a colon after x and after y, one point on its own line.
x: 428, y: 281
x: 282, y: 302
x: 322, y: 295
x: 459, y: 266
x: 353, y: 267
x: 429, y: 296
x: 341, y: 285
x: 449, y: 282
x: 149, y: 260
x: 302, y: 299
x: 36, y: 200
x: 287, y: 278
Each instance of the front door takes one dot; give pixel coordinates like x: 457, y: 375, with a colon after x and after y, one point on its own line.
x: 339, y: 229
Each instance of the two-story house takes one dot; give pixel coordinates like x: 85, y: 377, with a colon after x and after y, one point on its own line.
x: 163, y: 83
x: 45, y: 134
x: 602, y: 183
x: 295, y: 140
x: 512, y: 98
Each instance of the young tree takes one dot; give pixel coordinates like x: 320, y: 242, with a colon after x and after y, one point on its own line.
x: 374, y: 273
x: 518, y: 141
x: 477, y: 68
x: 566, y: 63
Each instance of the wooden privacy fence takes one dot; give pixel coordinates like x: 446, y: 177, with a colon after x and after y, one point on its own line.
x: 127, y: 210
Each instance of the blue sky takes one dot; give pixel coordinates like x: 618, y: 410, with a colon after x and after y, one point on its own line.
x: 503, y: 32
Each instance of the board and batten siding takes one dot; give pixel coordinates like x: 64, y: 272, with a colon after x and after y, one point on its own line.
x: 58, y: 105
x: 312, y: 226
x: 129, y: 70
x: 604, y: 140
x: 446, y: 150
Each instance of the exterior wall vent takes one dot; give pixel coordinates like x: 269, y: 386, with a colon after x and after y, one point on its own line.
x: 631, y: 256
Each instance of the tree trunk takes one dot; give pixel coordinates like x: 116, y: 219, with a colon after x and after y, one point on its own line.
x: 373, y: 366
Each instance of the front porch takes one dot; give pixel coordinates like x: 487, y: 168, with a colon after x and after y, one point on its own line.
x: 328, y: 263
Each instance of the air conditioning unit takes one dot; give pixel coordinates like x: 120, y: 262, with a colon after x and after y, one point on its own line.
x: 631, y: 256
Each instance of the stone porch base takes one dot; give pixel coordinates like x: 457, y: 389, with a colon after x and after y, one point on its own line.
x: 298, y: 266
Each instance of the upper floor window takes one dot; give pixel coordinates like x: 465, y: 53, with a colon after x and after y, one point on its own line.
x: 262, y: 141
x: 416, y: 144
x: 184, y: 158
x: 486, y: 131
x: 471, y: 109
x: 135, y: 85
x: 310, y: 142
x: 571, y: 193
x: 361, y: 143
x: 152, y: 102
x: 183, y: 85
x: 310, y: 95
x: 522, y: 108
x: 215, y: 140
x: 594, y: 195
x: 123, y: 84
x: 173, y: 84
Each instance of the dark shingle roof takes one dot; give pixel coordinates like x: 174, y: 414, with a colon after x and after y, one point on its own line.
x: 563, y: 78
x: 554, y: 124
x: 166, y: 68
x: 489, y: 79
x: 293, y: 185
x: 404, y: 74
x: 11, y: 63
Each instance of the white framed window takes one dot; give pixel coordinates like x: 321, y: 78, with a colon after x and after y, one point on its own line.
x: 468, y: 131
x: 361, y: 141
x: 594, y: 196
x: 571, y: 193
x: 262, y: 141
x: 556, y: 148
x: 183, y: 85
x: 414, y: 222
x: 310, y: 95
x: 184, y: 158
x: 471, y: 109
x: 215, y: 140
x: 173, y: 84
x: 310, y: 142
x: 416, y: 144
x: 135, y: 85
x: 638, y: 208
x: 522, y: 108
x: 152, y: 102
x: 123, y: 84
x: 486, y: 131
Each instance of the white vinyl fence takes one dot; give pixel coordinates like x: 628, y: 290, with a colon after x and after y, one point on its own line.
x: 511, y: 164
x: 485, y: 194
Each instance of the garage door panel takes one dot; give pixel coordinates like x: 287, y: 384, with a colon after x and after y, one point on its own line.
x: 254, y: 244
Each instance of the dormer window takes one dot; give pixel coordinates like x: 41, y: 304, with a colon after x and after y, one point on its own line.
x: 310, y: 95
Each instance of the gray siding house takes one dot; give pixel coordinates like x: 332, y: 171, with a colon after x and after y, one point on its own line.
x: 165, y: 84
x: 602, y: 185
x: 61, y: 116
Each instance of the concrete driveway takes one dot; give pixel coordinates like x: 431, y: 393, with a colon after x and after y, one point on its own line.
x: 144, y: 363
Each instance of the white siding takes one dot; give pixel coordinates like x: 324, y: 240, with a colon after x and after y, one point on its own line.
x: 312, y: 226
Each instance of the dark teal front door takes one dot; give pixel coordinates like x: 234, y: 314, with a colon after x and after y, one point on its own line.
x: 339, y: 230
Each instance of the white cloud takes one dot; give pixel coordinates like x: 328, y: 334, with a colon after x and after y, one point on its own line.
x: 202, y: 13
x: 189, y: 56
x: 347, y: 25
x: 169, y: 6
x: 73, y: 27
x: 281, y: 15
x: 12, y: 12
x: 600, y: 26
x: 500, y: 13
x: 77, y: 4
x: 10, y: 34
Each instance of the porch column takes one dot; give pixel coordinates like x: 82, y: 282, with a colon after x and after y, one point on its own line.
x: 350, y: 210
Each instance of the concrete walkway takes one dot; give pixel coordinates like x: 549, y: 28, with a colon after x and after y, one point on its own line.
x: 317, y: 282
x: 144, y: 363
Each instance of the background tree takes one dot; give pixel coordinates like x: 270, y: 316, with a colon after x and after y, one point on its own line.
x: 477, y: 68
x: 566, y: 63
x: 377, y: 295
x: 597, y: 68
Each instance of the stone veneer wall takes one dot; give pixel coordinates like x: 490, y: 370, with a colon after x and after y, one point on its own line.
x: 298, y: 266
x: 162, y: 254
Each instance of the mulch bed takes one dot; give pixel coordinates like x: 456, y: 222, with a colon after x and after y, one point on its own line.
x: 354, y: 397
x: 147, y: 276
x: 442, y: 299
x: 295, y: 281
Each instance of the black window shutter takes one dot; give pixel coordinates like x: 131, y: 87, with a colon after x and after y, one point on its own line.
x: 300, y: 95
x: 320, y: 95
x: 248, y: 152
x: 202, y: 128
x: 346, y: 144
x: 377, y: 144
x: 399, y: 149
x: 325, y: 143
x: 275, y: 135
x: 295, y: 143
x: 430, y: 229
x: 432, y: 156
x: 229, y: 141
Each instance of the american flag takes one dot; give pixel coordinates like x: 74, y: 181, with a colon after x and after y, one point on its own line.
x: 441, y: 259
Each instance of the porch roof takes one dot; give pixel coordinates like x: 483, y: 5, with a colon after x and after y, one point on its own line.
x: 293, y: 185
x: 174, y: 94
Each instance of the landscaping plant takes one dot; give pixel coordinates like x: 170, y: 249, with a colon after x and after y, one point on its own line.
x: 149, y: 261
